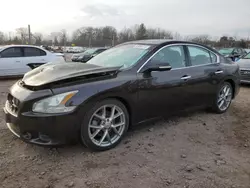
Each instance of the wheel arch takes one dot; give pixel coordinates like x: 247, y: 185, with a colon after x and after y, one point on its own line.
x: 232, y: 84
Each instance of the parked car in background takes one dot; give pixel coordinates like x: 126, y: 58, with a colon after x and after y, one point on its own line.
x: 247, y: 50
x: 125, y: 85
x: 74, y: 49
x: 244, y: 64
x: 232, y: 53
x: 16, y: 60
x: 87, y: 55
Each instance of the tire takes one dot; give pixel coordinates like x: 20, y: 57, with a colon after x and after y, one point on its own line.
x: 98, y: 133
x: 217, y: 107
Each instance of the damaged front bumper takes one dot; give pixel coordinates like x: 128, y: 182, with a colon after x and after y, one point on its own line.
x: 38, y: 128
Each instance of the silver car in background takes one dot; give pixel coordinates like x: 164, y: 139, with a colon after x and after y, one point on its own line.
x: 244, y: 64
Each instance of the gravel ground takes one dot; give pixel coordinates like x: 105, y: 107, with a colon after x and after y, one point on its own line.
x: 197, y: 150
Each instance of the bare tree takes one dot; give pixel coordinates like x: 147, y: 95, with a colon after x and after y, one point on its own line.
x: 126, y: 35
x: 2, y: 38
x: 38, y: 38
x: 23, y: 33
x: 177, y: 36
x: 202, y: 39
x: 63, y: 37
x: 54, y: 37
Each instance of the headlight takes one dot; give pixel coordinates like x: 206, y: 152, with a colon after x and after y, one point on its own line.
x: 55, y: 104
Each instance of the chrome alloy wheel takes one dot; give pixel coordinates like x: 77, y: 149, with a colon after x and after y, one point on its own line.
x: 106, y: 125
x: 224, y: 97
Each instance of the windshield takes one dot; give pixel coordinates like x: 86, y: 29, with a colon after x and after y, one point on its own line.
x: 226, y: 50
x: 247, y: 56
x: 125, y: 56
x: 89, y: 51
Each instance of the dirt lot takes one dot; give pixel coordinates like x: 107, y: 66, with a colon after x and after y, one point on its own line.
x: 199, y: 149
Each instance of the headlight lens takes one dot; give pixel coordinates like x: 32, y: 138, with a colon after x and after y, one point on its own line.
x: 55, y: 104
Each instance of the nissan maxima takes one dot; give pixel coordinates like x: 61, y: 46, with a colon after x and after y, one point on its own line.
x: 96, y: 102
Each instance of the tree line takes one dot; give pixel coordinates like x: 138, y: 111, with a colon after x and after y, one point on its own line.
x: 109, y: 36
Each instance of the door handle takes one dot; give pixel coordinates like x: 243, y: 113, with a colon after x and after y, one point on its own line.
x: 18, y: 61
x: 218, y: 72
x: 185, y: 77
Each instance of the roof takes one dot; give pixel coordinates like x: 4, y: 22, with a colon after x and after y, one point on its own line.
x: 21, y: 45
x: 151, y: 41
x: 159, y: 41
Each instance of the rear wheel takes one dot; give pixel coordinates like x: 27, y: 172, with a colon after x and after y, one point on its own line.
x: 223, y: 98
x: 104, y: 125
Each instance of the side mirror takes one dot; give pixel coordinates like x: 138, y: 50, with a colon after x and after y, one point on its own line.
x: 158, y: 67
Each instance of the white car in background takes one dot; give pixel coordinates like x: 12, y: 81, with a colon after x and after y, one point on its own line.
x: 16, y: 60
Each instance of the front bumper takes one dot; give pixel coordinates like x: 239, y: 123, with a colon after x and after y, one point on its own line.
x: 38, y: 128
x: 43, y: 129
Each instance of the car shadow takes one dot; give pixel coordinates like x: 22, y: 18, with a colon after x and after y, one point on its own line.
x: 78, y: 149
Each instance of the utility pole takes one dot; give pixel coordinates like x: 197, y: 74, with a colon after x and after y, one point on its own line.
x: 90, y: 41
x: 113, y: 40
x: 29, y: 34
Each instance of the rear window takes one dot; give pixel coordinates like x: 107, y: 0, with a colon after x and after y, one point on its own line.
x: 30, y: 52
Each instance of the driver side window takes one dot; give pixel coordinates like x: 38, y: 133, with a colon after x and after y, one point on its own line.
x: 174, y: 55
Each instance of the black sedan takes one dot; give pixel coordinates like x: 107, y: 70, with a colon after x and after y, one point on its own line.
x: 87, y: 55
x: 233, y: 53
x: 123, y: 86
x: 244, y: 64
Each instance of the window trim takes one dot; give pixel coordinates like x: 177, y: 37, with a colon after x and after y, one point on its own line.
x: 22, y: 53
x: 184, y: 45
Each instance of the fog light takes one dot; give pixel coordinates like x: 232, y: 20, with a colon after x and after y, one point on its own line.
x: 27, y: 135
x: 44, y: 137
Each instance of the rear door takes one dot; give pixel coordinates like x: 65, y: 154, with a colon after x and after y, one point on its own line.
x: 205, y: 73
x: 11, y: 61
x: 33, y: 55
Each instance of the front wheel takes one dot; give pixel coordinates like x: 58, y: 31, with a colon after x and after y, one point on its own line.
x: 223, y: 98
x: 104, y: 125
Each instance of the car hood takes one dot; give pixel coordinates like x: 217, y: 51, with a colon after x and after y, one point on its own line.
x: 53, y: 72
x: 244, y: 63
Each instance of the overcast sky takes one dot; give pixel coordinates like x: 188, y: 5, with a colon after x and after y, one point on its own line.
x: 188, y: 17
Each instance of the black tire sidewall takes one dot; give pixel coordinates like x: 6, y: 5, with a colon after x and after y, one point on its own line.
x: 84, y: 126
x: 216, y: 108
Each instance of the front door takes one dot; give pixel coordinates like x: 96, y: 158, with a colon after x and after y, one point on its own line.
x: 11, y: 61
x: 163, y: 93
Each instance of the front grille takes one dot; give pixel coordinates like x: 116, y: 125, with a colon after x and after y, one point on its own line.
x: 12, y: 104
